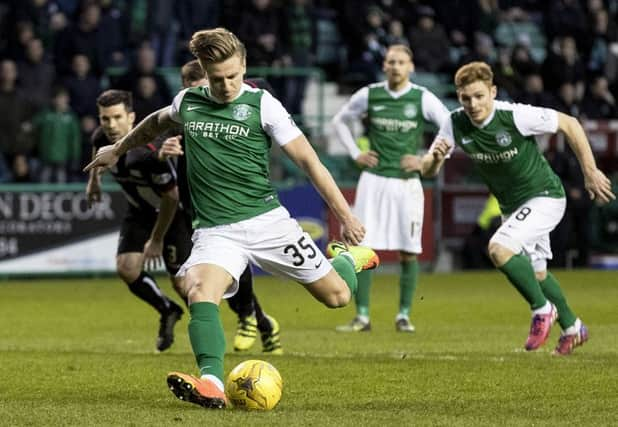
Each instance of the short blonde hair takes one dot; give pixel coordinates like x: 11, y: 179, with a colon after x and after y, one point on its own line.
x: 402, y: 48
x: 474, y: 72
x: 216, y: 45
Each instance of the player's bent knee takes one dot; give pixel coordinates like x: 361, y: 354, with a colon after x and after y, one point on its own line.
x: 331, y: 291
x: 338, y: 299
x: 541, y: 275
x: 498, y: 254
x: 127, y: 271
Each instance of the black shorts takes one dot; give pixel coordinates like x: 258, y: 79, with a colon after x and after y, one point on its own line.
x: 135, y: 232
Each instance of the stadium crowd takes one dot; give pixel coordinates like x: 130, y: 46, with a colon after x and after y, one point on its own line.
x: 55, y: 57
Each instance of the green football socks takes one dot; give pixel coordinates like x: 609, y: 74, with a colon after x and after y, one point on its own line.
x: 345, y: 267
x: 407, y: 286
x: 521, y: 275
x: 207, y: 338
x: 362, y: 294
x: 551, y: 289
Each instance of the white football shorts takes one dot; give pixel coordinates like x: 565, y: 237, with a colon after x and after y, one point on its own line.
x: 273, y: 241
x: 391, y: 209
x: 527, y: 229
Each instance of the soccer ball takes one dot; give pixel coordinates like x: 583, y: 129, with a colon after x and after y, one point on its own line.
x: 254, y: 384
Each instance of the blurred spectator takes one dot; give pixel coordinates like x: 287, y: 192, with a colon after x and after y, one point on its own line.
x: 348, y: 16
x: 82, y: 87
x: 426, y: 38
x: 396, y: 33
x: 58, y: 139
x: 195, y: 15
x: 299, y: 33
x: 162, y: 30
x: 46, y: 17
x: 147, y: 98
x: 145, y: 65
x: 534, y: 92
x: 113, y: 25
x: 599, y: 103
x: 563, y: 65
x: 567, y: 101
x: 36, y: 74
x: 19, y: 39
x: 483, y: 50
x: 522, y: 61
x: 489, y: 15
x: 508, y: 82
x: 598, y: 41
x: 566, y: 18
x: 460, y: 20
x: 15, y: 110
x: 91, y: 36
x: 373, y: 42
x: 260, y: 31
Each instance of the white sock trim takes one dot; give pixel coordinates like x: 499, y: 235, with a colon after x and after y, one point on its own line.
x: 573, y: 329
x: 363, y: 318
x: 546, y: 309
x: 214, y: 379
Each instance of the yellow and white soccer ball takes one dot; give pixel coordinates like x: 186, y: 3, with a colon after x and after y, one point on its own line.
x: 254, y: 384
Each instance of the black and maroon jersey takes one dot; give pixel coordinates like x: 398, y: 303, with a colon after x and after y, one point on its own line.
x: 142, y: 176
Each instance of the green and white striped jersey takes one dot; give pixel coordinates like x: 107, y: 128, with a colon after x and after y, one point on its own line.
x: 505, y: 151
x: 227, y: 152
x: 395, y: 120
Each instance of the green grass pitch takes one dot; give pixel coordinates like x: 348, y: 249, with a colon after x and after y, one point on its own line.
x: 81, y: 352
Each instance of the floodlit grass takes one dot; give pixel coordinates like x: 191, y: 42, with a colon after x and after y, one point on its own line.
x: 81, y: 352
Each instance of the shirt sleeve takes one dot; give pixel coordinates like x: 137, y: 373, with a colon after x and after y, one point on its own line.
x: 531, y: 120
x: 175, y: 107
x: 445, y: 133
x: 354, y: 109
x: 433, y: 109
x: 276, y: 121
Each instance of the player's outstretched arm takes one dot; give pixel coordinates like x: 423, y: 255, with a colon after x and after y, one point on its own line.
x: 434, y: 159
x: 93, y: 187
x: 145, y: 131
x: 598, y: 185
x: 305, y: 157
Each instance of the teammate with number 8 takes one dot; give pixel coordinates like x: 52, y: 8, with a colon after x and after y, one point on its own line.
x: 499, y: 137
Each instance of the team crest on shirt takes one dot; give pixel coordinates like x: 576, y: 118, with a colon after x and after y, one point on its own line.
x: 410, y: 110
x: 503, y: 139
x: 241, y: 112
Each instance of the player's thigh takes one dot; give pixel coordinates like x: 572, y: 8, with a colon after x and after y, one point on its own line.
x: 207, y: 283
x: 527, y: 228
x: 331, y: 290
x: 219, y: 246
x: 279, y: 245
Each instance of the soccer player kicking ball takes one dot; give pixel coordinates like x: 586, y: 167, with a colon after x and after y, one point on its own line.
x: 228, y: 130
x: 499, y: 137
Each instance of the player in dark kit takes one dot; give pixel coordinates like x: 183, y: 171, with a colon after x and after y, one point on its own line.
x: 152, y: 195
